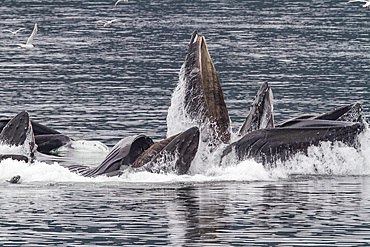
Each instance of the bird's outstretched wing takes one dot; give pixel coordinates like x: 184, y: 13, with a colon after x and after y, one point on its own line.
x: 30, y: 39
x: 19, y: 29
x: 119, y: 1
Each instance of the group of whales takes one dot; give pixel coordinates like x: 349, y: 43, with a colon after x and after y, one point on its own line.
x: 205, y: 109
x: 135, y: 152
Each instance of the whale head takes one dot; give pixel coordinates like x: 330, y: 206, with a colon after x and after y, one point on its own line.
x: 122, y: 156
x: 171, y: 155
x: 18, y: 132
x: 204, y: 100
x: 261, y: 111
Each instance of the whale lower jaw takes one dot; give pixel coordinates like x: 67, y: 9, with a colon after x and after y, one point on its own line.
x: 280, y: 144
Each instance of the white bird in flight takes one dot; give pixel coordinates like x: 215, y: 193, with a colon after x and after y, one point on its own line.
x: 29, y: 44
x: 366, y: 5
x: 107, y: 23
x: 126, y: 1
x: 13, y: 32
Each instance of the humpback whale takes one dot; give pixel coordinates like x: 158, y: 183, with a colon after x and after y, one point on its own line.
x: 139, y: 153
x: 348, y: 113
x: 18, y: 134
x: 171, y: 155
x: 178, y: 150
x: 204, y: 101
x: 279, y: 144
x: 47, y: 139
x: 268, y: 144
x: 123, y: 154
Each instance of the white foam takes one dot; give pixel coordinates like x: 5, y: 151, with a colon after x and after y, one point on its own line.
x: 5, y: 149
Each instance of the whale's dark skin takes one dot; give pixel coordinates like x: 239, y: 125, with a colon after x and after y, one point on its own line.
x: 18, y: 132
x: 176, y: 152
x: 261, y: 113
x: 204, y: 100
x: 48, y: 142
x: 47, y: 139
x: 152, y: 152
x: 273, y: 144
x: 38, y: 129
x: 348, y: 113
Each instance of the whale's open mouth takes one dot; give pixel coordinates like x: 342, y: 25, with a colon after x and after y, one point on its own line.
x: 18, y: 132
x: 261, y: 111
x: 204, y: 99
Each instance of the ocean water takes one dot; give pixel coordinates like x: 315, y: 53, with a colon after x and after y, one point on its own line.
x: 102, y: 84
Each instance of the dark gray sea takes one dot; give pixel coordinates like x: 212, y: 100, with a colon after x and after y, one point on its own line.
x: 102, y: 84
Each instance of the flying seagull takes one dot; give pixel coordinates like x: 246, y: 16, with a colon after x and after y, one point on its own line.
x: 366, y: 5
x: 29, y: 44
x: 107, y: 23
x: 13, y: 32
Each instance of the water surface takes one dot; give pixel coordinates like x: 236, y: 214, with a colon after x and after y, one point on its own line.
x: 105, y: 83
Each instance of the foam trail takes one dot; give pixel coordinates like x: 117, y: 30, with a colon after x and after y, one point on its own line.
x: 39, y: 171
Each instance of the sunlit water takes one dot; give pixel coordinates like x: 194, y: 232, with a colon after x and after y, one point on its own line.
x: 105, y: 83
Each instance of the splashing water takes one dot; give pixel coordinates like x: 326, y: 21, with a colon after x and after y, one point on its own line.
x: 325, y: 159
x: 177, y: 121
